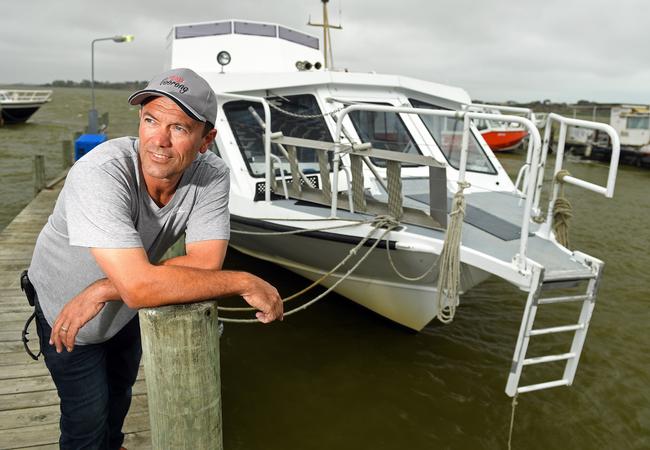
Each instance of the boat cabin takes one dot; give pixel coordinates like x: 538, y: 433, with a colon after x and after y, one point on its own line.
x: 632, y: 122
x: 284, y: 67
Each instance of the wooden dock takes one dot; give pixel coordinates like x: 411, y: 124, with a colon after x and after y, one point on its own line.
x: 29, y: 405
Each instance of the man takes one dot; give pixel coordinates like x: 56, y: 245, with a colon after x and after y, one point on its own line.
x: 96, y: 260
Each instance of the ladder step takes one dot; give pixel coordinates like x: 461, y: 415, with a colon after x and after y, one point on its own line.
x: 571, y: 298
x: 537, y: 387
x: 550, y: 358
x: 561, y: 329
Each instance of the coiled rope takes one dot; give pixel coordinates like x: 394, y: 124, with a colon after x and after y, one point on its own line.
x: 562, y: 211
x: 449, y: 275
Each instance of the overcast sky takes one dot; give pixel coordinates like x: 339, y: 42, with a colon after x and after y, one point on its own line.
x: 497, y: 50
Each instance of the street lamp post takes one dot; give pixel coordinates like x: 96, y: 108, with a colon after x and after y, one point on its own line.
x: 93, y: 126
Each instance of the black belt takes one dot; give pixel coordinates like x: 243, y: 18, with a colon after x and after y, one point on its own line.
x: 28, y: 288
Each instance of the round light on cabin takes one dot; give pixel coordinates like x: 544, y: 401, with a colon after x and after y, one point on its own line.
x: 317, y: 65
x: 223, y: 58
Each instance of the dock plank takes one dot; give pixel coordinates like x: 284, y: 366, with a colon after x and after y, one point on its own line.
x: 42, y: 415
x: 29, y: 404
x: 24, y: 400
x: 48, y: 434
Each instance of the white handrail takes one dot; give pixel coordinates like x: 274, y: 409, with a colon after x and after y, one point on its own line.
x: 466, y: 116
x: 523, y: 173
x: 25, y: 95
x: 565, y: 122
x: 478, y: 107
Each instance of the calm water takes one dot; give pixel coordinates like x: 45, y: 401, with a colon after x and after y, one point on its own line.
x: 339, y: 377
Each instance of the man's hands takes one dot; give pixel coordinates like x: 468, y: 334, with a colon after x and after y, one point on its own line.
x: 261, y: 295
x: 82, y: 308
x: 74, y: 315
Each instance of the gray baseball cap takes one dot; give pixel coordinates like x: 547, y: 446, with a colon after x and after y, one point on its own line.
x: 185, y: 87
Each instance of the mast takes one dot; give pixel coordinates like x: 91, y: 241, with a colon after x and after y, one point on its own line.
x: 327, y: 39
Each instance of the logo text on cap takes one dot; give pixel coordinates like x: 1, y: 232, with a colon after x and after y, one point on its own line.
x: 177, y: 82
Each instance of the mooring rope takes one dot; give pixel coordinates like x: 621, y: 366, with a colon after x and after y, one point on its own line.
x: 562, y: 211
x: 449, y: 276
x: 406, y: 277
x: 512, y: 421
x: 380, y: 222
x: 350, y: 254
x: 304, y: 116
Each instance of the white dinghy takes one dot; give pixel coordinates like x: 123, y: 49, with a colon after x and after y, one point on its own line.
x: 356, y: 179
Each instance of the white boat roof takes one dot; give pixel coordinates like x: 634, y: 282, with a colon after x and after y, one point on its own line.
x: 241, y: 82
x: 264, y: 57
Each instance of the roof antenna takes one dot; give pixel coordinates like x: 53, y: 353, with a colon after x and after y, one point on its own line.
x: 327, y: 39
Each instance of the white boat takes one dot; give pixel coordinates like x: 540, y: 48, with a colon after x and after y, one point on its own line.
x: 18, y: 105
x: 330, y: 166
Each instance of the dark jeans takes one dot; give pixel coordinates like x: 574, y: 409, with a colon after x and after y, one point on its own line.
x: 94, y: 384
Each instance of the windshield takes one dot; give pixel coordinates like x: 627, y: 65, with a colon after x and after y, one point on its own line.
x: 448, y: 134
x: 244, y: 119
x: 385, y: 131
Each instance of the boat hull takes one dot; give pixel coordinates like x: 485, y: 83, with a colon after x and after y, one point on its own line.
x: 17, y: 114
x: 374, y: 284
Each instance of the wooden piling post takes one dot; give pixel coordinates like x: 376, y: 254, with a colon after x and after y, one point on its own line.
x: 66, y: 153
x: 180, y: 346
x: 39, y: 173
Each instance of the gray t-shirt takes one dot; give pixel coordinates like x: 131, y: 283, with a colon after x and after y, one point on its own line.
x: 105, y: 204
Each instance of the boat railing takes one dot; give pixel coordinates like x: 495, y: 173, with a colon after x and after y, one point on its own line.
x: 25, y: 95
x: 565, y: 122
x: 360, y: 154
x: 466, y: 116
x: 482, y: 107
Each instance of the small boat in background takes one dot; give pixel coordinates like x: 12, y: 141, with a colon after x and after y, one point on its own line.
x: 502, y: 136
x: 18, y: 105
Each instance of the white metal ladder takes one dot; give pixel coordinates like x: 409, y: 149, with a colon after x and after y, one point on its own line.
x: 526, y: 331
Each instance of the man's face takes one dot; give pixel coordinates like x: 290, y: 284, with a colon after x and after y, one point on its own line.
x: 169, y: 140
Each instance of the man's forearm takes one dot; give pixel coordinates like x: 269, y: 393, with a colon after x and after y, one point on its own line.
x: 171, y: 284
x: 141, y: 284
x: 103, y: 290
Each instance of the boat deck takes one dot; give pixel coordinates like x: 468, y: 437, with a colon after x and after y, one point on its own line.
x: 492, y: 226
x: 29, y: 405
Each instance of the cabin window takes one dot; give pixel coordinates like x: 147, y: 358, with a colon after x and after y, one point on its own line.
x: 255, y: 29
x: 298, y: 37
x: 249, y: 134
x: 385, y: 131
x: 638, y: 123
x: 448, y: 134
x: 203, y: 29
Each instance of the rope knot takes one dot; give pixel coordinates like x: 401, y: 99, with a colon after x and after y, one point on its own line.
x: 561, y: 211
x: 559, y: 177
x: 385, y: 221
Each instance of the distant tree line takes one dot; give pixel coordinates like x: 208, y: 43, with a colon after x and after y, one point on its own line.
x: 132, y: 85
x: 547, y: 105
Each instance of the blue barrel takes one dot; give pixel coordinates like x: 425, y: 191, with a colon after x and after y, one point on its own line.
x: 86, y: 142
